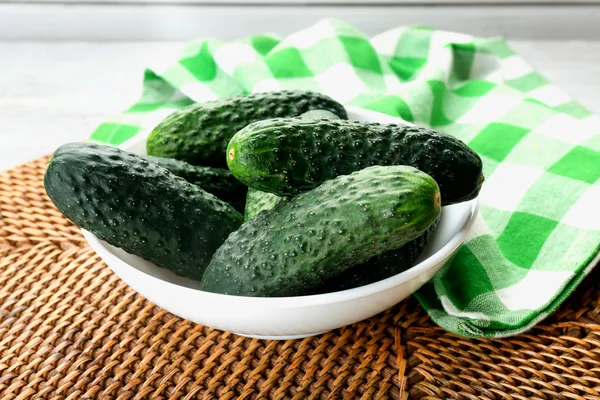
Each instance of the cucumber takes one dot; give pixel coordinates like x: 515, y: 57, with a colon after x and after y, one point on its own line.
x: 139, y: 206
x: 287, y: 156
x: 217, y: 181
x: 293, y: 248
x: 382, y: 266
x: 258, y: 201
x: 199, y: 133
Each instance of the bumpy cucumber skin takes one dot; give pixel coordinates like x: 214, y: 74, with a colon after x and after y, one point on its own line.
x: 257, y: 202
x: 382, y: 266
x: 138, y: 206
x: 289, y: 156
x: 294, y: 247
x: 199, y: 133
x: 217, y: 181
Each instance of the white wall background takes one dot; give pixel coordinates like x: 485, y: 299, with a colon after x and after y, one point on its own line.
x: 151, y: 20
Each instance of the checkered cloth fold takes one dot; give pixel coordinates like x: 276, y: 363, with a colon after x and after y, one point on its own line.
x: 539, y: 226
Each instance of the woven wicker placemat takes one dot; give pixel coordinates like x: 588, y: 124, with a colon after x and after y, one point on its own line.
x: 70, y: 329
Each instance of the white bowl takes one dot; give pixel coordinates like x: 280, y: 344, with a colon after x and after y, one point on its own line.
x: 287, y: 317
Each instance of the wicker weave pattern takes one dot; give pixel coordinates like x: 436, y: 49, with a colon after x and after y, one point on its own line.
x: 70, y: 329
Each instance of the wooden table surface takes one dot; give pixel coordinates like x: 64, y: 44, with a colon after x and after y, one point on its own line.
x: 55, y: 92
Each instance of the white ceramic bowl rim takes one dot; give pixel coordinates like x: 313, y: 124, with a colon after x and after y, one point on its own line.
x: 362, y: 291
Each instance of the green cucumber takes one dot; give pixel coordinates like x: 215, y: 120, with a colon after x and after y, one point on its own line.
x: 382, y: 266
x: 217, y: 181
x: 293, y: 248
x: 258, y: 201
x: 139, y: 206
x: 288, y: 156
x: 199, y: 133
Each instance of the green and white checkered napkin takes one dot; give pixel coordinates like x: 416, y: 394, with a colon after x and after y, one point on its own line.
x: 539, y: 226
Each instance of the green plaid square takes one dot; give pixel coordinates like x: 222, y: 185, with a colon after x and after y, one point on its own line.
x: 573, y: 109
x: 487, y: 143
x: 580, y: 163
x: 474, y: 88
x: 539, y: 226
x: 528, y: 82
x: 287, y: 63
x: 524, y: 237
